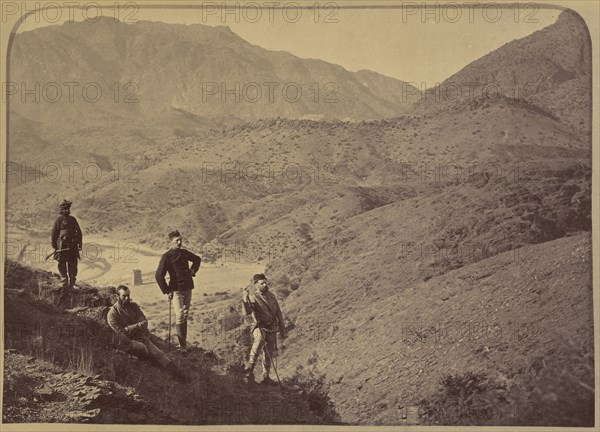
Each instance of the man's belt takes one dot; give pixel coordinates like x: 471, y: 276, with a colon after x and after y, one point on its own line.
x: 67, y: 234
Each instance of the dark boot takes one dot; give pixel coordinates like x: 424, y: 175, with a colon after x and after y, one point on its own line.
x: 184, y: 329
x: 249, y: 367
x: 181, y: 336
x: 268, y: 381
x: 249, y: 373
x: 62, y: 270
x: 64, y: 277
x: 72, y: 268
x: 249, y: 370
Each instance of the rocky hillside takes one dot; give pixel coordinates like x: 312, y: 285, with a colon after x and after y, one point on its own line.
x: 405, y: 310
x: 61, y: 366
x: 303, y: 171
x: 507, y: 317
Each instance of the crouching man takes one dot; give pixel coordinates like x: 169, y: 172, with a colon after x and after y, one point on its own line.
x: 129, y: 323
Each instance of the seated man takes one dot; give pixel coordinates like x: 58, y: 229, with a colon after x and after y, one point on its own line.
x: 128, y: 321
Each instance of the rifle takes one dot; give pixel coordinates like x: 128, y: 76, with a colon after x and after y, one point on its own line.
x: 55, y: 252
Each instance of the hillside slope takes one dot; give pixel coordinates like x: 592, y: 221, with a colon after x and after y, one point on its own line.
x: 229, y: 175
x: 508, y: 316
x: 61, y: 366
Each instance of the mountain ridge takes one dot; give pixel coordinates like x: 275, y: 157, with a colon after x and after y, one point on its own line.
x: 183, y: 49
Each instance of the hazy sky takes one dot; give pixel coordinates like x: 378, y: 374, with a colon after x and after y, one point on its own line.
x: 411, y: 44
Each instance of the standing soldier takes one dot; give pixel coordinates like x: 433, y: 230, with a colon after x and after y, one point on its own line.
x: 268, y: 319
x: 175, y: 262
x: 67, y: 241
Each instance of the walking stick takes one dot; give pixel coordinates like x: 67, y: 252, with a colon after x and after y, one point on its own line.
x: 170, y: 299
x: 269, y: 355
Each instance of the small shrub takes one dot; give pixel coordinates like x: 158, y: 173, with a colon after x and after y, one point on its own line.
x: 316, y: 389
x: 460, y: 400
x: 283, y: 280
x: 283, y: 292
x: 304, y: 231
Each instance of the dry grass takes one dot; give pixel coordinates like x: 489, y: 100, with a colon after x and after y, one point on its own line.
x: 44, y: 293
x: 81, y: 358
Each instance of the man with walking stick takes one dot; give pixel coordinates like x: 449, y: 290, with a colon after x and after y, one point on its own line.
x: 179, y: 289
x: 268, y: 319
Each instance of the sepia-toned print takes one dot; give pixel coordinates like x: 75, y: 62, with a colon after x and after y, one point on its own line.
x: 298, y: 213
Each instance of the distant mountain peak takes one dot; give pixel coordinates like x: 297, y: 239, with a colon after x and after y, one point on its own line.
x: 208, y: 71
x: 569, y: 15
x: 551, y: 68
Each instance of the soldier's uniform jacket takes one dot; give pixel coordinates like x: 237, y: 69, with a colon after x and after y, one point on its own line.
x: 120, y: 316
x: 267, y: 314
x: 175, y: 262
x: 66, y: 234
